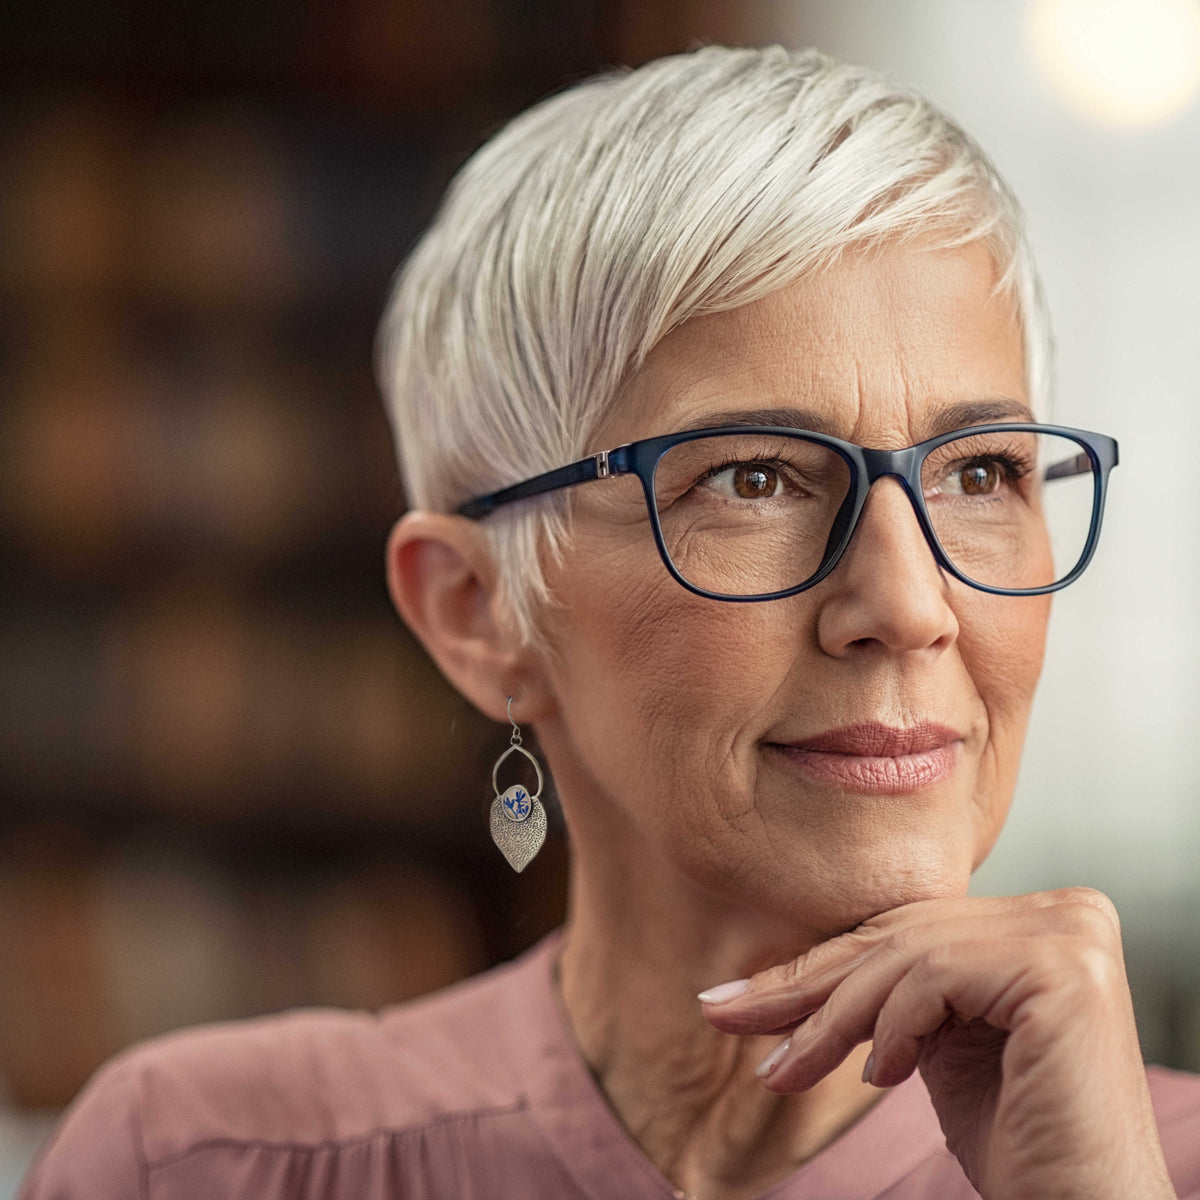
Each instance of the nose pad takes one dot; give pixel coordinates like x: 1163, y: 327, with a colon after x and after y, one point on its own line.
x: 841, y: 523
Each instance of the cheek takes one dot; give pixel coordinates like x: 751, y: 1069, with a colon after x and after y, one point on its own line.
x: 1003, y: 646
x: 1003, y: 642
x: 648, y: 714
x: 633, y: 661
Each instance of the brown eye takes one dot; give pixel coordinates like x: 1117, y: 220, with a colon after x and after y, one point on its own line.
x: 753, y: 481
x: 980, y: 479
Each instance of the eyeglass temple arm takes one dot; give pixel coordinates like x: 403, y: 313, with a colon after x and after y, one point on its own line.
x: 1077, y: 464
x: 597, y: 466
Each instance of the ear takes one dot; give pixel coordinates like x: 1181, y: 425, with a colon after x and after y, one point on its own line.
x: 443, y: 581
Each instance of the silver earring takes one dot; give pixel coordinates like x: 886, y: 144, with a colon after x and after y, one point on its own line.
x: 518, y: 819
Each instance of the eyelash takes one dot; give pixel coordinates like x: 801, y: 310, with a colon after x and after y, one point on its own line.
x: 1014, y: 467
x: 775, y: 464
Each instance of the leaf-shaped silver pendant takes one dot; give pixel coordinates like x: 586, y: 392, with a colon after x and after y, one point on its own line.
x: 518, y: 823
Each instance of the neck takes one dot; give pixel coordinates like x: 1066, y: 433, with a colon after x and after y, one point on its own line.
x: 686, y: 1092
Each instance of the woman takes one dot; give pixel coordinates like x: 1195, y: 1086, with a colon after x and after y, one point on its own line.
x: 758, y: 341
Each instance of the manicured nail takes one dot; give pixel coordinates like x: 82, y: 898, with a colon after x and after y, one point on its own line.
x: 724, y: 992
x: 773, y: 1059
x: 869, y: 1068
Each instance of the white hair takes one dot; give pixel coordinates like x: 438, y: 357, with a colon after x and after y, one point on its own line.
x: 606, y: 216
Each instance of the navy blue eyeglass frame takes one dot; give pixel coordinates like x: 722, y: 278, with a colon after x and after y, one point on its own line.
x: 641, y: 458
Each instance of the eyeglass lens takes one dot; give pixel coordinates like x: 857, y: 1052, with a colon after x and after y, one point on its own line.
x: 749, y: 514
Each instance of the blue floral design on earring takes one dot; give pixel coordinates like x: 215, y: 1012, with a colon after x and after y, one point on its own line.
x: 518, y: 820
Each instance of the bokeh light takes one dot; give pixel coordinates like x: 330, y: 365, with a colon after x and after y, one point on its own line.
x: 1125, y: 64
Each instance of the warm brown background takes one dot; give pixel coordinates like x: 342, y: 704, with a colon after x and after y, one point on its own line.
x: 230, y: 781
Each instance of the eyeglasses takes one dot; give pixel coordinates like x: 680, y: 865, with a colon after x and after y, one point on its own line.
x: 761, y: 512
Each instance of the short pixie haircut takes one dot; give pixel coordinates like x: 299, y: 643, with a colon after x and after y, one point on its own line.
x: 606, y: 216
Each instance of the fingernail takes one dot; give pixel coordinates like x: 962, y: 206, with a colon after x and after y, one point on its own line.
x: 773, y: 1059
x: 723, y: 992
x: 869, y: 1068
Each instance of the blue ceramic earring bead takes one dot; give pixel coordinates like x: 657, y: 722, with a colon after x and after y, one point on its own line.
x: 518, y: 820
x: 516, y: 803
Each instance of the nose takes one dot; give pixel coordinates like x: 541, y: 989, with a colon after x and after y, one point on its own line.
x: 888, y: 591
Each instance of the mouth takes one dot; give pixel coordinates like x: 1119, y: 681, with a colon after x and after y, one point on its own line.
x: 877, y: 758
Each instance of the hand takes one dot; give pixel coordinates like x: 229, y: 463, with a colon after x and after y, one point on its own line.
x: 1017, y: 1013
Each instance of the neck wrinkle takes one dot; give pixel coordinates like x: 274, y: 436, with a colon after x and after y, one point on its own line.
x: 685, y: 1091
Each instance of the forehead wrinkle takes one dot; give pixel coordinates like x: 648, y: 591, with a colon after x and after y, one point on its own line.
x: 883, y: 408
x: 954, y: 414
x: 856, y: 355
x: 860, y: 401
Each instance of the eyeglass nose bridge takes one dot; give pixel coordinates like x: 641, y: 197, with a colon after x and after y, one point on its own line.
x: 902, y: 465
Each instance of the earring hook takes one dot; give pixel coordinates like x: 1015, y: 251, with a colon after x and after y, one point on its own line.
x: 515, y: 737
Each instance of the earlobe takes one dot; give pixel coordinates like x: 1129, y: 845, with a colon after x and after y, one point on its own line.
x: 443, y: 582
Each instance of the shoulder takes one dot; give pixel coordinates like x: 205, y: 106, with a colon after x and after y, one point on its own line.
x: 320, y: 1075
x: 306, y: 1078
x: 1176, y: 1098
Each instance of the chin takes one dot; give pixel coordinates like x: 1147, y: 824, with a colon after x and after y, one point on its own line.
x: 843, y: 891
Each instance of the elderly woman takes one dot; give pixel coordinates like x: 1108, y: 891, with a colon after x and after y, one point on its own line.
x: 718, y: 389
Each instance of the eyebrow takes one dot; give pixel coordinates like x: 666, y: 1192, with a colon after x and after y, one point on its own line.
x: 953, y: 416
x: 786, y: 418
x: 980, y: 412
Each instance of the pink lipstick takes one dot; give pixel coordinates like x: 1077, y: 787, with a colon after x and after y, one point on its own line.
x: 878, y: 758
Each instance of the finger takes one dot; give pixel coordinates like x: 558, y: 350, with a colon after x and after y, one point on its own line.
x: 781, y: 997
x: 846, y: 1019
x: 964, y: 982
x: 918, y: 987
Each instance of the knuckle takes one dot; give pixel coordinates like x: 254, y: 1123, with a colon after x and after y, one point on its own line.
x: 941, y: 956
x: 783, y: 976
x: 812, y: 963
x: 823, y: 956
x: 932, y: 963
x: 1095, y: 912
x: 794, y: 974
x: 815, y: 1023
x: 1089, y: 898
x: 905, y: 943
x: 1084, y: 910
x: 1098, y: 971
x: 1086, y: 969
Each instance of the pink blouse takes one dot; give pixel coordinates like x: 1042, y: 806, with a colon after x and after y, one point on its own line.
x: 474, y: 1093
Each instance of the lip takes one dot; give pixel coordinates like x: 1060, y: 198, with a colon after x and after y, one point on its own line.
x: 877, y: 758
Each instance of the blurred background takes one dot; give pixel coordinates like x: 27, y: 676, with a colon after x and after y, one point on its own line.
x: 230, y: 781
